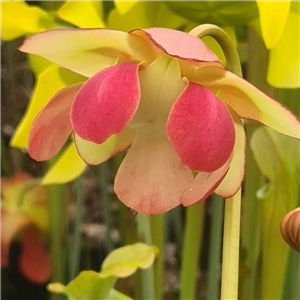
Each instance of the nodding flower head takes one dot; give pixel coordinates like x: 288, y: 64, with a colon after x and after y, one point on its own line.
x: 163, y: 95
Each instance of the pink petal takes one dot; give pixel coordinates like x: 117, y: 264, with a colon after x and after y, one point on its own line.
x: 203, y: 185
x: 177, y: 44
x: 151, y: 179
x: 235, y: 176
x: 35, y: 260
x: 201, y: 129
x: 86, y: 51
x: 106, y: 103
x: 11, y: 224
x: 52, y: 127
x: 94, y: 154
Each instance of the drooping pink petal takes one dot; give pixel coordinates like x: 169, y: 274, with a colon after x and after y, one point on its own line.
x: 235, y: 175
x: 151, y: 178
x: 106, y: 103
x: 34, y: 260
x: 191, y: 53
x: 177, y: 44
x: 247, y: 101
x: 94, y: 154
x: 204, y: 185
x: 201, y: 129
x: 86, y: 51
x: 11, y: 224
x: 52, y: 126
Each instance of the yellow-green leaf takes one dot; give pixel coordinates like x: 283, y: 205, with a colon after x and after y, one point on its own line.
x: 115, y: 295
x: 18, y: 18
x: 277, y: 157
x: 122, y: 262
x: 88, y: 285
x: 125, y: 261
x: 273, y: 16
x: 68, y: 167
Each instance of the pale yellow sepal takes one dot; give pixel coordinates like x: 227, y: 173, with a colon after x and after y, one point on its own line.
x: 284, y: 63
x: 18, y: 18
x: 68, y: 167
x: 273, y: 16
x: 85, y: 14
x: 94, y: 154
x: 124, y: 7
x: 48, y: 83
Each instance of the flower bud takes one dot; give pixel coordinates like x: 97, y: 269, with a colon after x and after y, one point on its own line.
x: 290, y: 228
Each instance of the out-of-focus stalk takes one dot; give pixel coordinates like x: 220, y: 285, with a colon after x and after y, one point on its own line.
x: 215, y: 246
x: 103, y: 172
x: 75, y: 254
x: 191, y: 250
x: 157, y: 230
x: 57, y: 216
x: 148, y: 287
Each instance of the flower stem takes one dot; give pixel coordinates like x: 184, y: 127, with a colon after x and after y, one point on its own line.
x: 230, y: 52
x: 215, y: 246
x: 75, y: 253
x: 231, y: 243
x: 191, y: 251
x: 231, y: 240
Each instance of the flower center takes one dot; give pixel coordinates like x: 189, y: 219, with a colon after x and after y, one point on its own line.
x: 161, y: 84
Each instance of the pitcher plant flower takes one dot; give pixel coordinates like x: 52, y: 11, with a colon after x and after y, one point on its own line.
x: 163, y: 95
x: 27, y: 221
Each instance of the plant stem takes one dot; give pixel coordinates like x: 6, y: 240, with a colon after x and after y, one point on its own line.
x: 215, y: 246
x: 148, y: 287
x: 230, y: 52
x: 75, y: 253
x: 157, y: 229
x: 191, y: 250
x: 57, y: 215
x: 102, y: 171
x: 231, y: 243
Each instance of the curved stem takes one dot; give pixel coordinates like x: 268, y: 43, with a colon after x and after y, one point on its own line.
x: 231, y: 244
x: 28, y: 186
x: 230, y: 52
x: 231, y: 241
